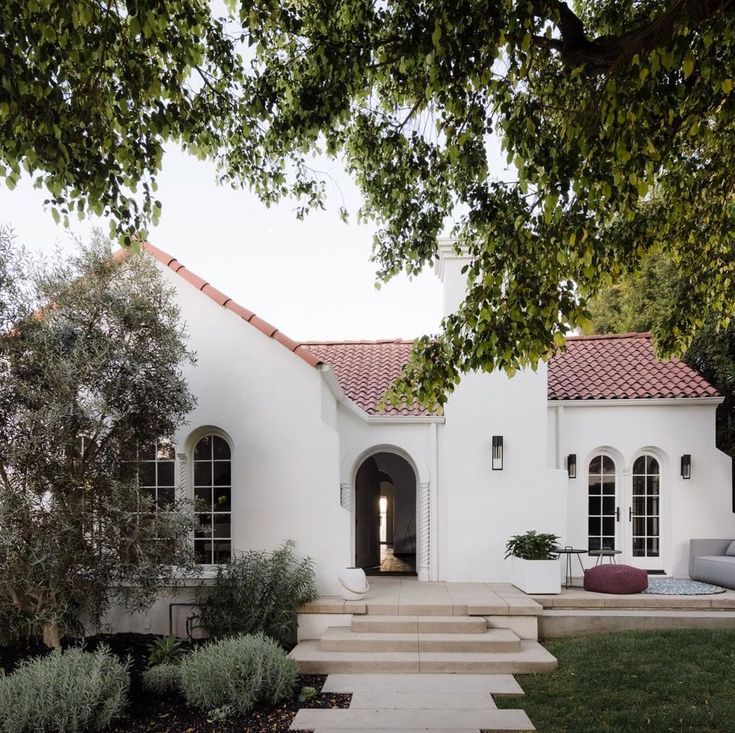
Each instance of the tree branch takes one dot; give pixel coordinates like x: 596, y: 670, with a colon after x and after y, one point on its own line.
x: 604, y: 53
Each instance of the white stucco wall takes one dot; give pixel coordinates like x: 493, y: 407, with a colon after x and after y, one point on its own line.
x: 482, y: 508
x: 280, y: 420
x: 698, y: 507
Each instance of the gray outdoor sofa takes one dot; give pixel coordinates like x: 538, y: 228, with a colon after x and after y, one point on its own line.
x: 709, y: 561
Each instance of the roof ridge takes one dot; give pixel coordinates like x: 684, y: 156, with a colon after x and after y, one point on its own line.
x: 226, y: 302
x: 606, y: 336
x: 353, y: 342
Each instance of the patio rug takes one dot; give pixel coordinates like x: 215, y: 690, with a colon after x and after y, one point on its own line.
x: 681, y: 587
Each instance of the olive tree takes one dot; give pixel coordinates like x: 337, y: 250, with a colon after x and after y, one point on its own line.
x: 91, y: 357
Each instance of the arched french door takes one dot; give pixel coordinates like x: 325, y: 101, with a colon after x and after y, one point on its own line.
x: 644, y: 514
x: 624, y: 512
x: 385, y: 515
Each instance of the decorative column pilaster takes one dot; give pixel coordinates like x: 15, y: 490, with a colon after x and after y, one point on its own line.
x: 424, y: 531
x: 345, y: 495
x: 182, y: 481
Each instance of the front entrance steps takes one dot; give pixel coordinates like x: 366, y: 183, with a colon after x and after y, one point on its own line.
x: 414, y: 702
x: 406, y: 644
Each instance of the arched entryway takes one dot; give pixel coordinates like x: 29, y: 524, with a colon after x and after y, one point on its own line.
x: 385, y: 515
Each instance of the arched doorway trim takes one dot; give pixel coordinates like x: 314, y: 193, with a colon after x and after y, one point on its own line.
x: 424, y: 515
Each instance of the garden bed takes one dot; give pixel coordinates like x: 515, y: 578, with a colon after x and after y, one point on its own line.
x: 148, y: 713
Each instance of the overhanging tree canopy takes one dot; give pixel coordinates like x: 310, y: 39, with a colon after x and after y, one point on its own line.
x: 617, y: 115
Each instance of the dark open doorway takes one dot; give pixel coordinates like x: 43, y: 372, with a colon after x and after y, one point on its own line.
x: 385, y: 515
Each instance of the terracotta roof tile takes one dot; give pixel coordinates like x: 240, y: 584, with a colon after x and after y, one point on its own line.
x: 365, y: 370
x: 226, y: 302
x: 621, y: 366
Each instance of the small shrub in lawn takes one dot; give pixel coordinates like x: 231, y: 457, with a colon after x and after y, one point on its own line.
x: 162, y: 679
x: 237, y: 673
x: 167, y: 650
x: 259, y: 591
x: 65, y: 692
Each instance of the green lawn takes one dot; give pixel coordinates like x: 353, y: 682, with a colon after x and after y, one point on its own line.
x: 637, y: 681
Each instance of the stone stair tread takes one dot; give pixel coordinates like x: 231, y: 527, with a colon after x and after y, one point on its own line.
x: 388, y: 624
x: 489, y: 640
x: 531, y: 657
x: 378, y: 719
x: 495, y: 684
x: 344, y: 638
x: 421, y: 700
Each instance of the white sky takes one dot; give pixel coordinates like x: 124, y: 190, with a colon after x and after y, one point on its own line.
x: 312, y: 279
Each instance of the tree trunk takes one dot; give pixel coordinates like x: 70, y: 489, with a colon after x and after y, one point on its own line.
x: 51, y: 637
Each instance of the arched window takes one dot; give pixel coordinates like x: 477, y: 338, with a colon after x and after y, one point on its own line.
x: 646, y: 507
x: 602, y: 502
x: 213, y: 497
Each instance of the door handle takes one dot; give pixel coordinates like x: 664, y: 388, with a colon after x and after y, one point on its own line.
x: 630, y: 513
x: 617, y: 513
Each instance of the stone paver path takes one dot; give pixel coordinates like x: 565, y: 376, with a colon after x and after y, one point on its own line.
x: 460, y: 703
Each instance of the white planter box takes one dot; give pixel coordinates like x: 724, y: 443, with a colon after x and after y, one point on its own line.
x: 536, y: 576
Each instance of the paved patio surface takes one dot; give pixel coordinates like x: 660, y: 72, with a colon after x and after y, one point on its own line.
x: 580, y: 598
x: 408, y: 597
x: 412, y: 702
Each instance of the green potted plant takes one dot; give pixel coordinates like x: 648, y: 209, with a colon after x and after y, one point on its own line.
x: 534, y: 562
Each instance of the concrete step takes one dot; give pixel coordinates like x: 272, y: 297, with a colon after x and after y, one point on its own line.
x: 422, y: 700
x: 410, y: 720
x: 429, y: 624
x: 531, y: 657
x: 343, y: 638
x: 494, y: 684
x: 492, y: 640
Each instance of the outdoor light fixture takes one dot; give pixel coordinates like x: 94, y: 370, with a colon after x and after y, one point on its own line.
x: 497, y: 452
x: 572, y: 465
x: 686, y: 466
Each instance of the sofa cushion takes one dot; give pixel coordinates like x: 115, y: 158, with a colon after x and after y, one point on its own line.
x: 615, y: 579
x: 715, y: 569
x: 724, y: 559
x: 731, y: 549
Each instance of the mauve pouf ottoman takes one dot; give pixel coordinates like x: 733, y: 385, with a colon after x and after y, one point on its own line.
x: 615, y: 579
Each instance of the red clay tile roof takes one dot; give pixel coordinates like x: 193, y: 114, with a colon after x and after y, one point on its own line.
x: 365, y: 370
x: 621, y: 366
x: 227, y: 302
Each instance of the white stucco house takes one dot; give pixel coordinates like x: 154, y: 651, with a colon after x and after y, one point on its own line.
x: 604, y: 446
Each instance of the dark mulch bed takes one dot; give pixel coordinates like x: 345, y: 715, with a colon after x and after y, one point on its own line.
x: 171, y: 714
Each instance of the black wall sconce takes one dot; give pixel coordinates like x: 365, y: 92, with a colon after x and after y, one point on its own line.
x: 686, y: 466
x: 497, y: 452
x: 572, y: 465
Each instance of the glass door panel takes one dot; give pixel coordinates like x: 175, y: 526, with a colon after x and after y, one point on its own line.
x: 645, y: 514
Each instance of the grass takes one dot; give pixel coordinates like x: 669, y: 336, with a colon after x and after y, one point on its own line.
x: 635, y: 681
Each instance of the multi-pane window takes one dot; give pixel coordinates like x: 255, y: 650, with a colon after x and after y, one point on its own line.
x: 213, y: 496
x: 155, y: 471
x: 601, y: 497
x: 646, y: 509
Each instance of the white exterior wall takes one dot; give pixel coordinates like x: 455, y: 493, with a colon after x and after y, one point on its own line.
x: 280, y: 420
x: 697, y: 507
x: 482, y: 508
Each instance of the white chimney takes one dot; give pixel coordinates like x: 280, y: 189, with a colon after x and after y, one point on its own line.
x: 449, y: 270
